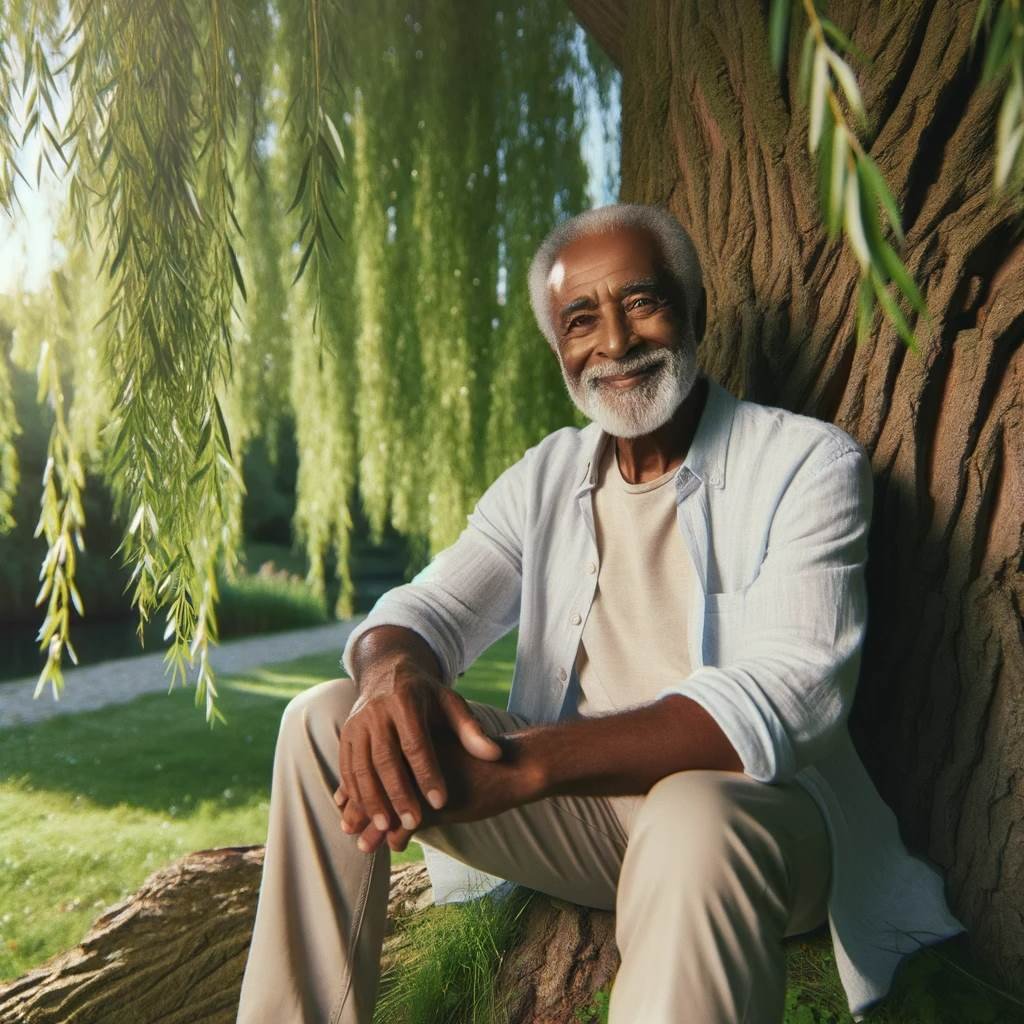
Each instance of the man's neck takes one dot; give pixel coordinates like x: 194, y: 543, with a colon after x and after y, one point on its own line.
x: 652, y: 455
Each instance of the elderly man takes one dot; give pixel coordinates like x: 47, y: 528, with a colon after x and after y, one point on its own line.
x: 687, y: 575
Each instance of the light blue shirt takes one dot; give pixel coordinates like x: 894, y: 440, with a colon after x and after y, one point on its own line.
x: 774, y: 510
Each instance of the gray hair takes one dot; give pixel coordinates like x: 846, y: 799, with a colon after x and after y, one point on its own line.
x: 677, y: 250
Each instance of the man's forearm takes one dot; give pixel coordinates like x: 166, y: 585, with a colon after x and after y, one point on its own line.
x: 384, y: 648
x: 627, y: 752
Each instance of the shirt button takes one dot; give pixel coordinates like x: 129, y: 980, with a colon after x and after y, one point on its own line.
x: 562, y: 674
x: 576, y: 620
x: 590, y: 567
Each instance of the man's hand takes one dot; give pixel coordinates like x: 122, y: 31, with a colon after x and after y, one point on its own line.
x: 477, y: 789
x: 386, y: 749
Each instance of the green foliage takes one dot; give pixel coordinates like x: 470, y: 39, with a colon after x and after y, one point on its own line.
x: 21, y: 553
x: 60, y: 521
x: 938, y: 984
x: 850, y: 186
x: 596, y: 1012
x: 1004, y: 62
x: 448, y: 960
x: 10, y: 470
x: 266, y: 602
x: 284, y: 210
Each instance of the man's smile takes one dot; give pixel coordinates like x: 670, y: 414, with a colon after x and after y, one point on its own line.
x: 625, y: 380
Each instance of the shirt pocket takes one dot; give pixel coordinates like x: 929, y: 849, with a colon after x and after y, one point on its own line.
x: 723, y: 625
x: 724, y: 603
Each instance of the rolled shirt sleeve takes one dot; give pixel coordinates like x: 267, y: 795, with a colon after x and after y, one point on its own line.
x: 789, y: 682
x: 468, y: 596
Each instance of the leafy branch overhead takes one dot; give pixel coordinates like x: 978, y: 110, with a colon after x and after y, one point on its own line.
x: 850, y: 185
x: 1004, y: 59
x: 397, y: 170
x: 279, y: 216
x: 317, y: 87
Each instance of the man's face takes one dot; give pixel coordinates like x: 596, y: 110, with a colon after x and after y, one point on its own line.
x: 616, y: 315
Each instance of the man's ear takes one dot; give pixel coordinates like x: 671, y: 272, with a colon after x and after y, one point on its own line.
x: 700, y: 317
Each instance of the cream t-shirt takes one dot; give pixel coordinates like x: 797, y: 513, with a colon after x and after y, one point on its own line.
x: 634, y: 641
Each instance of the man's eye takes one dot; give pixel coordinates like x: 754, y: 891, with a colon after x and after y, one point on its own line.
x: 577, y: 321
x: 642, y: 299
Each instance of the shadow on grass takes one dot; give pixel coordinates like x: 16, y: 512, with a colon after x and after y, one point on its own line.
x: 939, y: 984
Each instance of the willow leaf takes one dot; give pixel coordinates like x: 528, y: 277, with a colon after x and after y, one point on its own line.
x: 865, y: 309
x: 847, y: 82
x: 806, y: 56
x: 819, y: 89
x: 998, y: 52
x: 236, y: 270
x: 893, y: 311
x: 778, y: 31
x: 57, y: 146
x: 869, y: 169
x: 902, y: 279
x: 854, y: 224
x: 305, y: 259
x: 225, y: 436
x: 842, y: 40
x: 335, y: 137
x: 300, y: 189
x: 1007, y: 156
x: 32, y: 121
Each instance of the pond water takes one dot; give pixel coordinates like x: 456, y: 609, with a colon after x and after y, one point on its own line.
x: 93, y: 640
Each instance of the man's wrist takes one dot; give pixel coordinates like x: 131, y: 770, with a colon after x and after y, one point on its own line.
x: 385, y: 653
x: 526, y: 750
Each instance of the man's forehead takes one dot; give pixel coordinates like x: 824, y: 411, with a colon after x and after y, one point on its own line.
x: 586, y: 260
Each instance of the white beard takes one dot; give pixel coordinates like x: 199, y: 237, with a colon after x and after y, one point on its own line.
x: 644, y: 406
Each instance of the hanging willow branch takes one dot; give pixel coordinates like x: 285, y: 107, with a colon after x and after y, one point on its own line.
x: 315, y: 87
x: 171, y: 270
x: 850, y: 185
x: 27, y: 31
x: 1004, y: 63
x: 61, y: 521
x: 196, y: 132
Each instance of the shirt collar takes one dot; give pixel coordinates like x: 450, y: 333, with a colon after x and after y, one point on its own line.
x: 707, y: 455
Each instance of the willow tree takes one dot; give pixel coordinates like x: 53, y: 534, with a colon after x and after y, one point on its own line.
x: 712, y: 130
x: 311, y: 210
x: 327, y: 209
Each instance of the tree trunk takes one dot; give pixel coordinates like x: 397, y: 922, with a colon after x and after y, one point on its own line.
x: 709, y: 131
x: 174, y: 952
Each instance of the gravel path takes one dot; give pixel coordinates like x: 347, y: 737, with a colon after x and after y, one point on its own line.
x: 114, y: 682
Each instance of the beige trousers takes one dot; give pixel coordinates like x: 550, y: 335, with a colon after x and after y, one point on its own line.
x: 706, y: 873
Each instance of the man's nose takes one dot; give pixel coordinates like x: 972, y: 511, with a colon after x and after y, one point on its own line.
x: 619, y: 336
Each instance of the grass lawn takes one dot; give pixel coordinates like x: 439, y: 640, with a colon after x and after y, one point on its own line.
x: 91, y: 804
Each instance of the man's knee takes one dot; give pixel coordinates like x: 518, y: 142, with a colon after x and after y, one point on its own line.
x: 316, y: 715
x: 705, y: 837
x: 693, y: 818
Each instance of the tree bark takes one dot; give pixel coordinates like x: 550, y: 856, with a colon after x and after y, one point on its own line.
x: 174, y: 952
x: 708, y: 130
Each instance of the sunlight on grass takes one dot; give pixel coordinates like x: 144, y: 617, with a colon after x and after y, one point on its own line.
x: 154, y: 778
